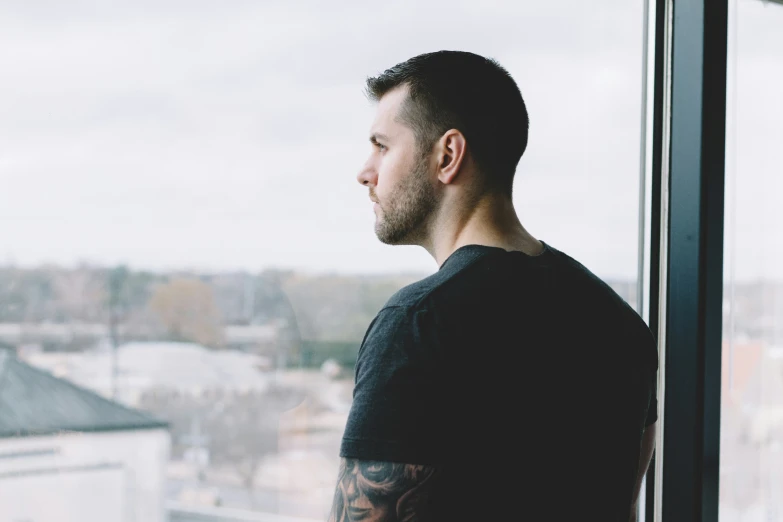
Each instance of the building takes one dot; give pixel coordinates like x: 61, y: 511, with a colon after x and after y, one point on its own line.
x: 96, y: 460
x: 186, y: 368
x: 76, y: 336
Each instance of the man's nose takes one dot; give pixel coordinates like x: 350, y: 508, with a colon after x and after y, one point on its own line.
x: 367, y: 175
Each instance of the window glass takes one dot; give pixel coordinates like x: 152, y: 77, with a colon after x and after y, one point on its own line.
x: 751, y: 474
x: 183, y: 233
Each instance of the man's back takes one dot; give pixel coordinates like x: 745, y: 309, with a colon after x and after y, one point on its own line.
x: 525, y: 382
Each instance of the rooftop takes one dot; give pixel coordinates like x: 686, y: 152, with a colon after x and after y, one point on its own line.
x: 34, y: 402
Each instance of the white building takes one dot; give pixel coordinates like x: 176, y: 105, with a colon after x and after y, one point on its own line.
x: 67, y: 454
x: 251, y: 338
x: 185, y: 367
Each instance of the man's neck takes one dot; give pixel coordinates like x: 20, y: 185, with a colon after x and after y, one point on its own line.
x: 492, y: 222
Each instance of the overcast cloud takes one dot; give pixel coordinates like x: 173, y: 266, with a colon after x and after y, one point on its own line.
x: 228, y: 135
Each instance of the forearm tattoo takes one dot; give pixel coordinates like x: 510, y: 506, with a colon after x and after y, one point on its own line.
x: 370, y: 491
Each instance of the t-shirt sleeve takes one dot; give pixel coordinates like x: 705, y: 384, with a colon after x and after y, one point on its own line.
x: 391, y: 416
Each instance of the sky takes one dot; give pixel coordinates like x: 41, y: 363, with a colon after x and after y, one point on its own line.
x: 227, y: 135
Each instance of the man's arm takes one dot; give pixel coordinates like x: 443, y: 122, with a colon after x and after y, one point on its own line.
x: 645, y: 455
x: 382, y: 492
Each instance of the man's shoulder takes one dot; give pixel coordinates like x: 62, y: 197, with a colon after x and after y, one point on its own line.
x: 585, y: 285
x: 439, y: 288
x: 602, y: 305
x: 416, y: 312
x: 421, y: 294
x: 413, y: 296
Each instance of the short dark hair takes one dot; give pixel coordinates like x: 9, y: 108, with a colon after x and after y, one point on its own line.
x: 467, y: 92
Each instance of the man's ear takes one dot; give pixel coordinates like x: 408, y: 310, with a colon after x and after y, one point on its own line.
x: 451, y: 155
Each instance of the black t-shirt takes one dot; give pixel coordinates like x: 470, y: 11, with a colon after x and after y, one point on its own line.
x: 526, y: 380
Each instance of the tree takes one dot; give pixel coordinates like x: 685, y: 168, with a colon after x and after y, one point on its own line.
x: 245, y: 429
x: 187, y: 310
x: 242, y: 429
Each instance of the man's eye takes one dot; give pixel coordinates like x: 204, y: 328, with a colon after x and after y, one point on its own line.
x: 380, y: 146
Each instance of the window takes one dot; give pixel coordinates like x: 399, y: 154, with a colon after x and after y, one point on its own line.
x: 179, y: 183
x: 751, y: 475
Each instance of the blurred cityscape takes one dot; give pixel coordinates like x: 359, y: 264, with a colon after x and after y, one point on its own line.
x: 212, y: 397
x: 217, y: 396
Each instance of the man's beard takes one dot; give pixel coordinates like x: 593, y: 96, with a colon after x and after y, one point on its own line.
x: 403, y: 218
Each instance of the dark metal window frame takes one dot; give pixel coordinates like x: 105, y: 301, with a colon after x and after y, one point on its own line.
x: 658, y: 24
x: 686, y: 279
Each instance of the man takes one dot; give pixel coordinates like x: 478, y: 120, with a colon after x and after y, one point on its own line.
x: 512, y: 384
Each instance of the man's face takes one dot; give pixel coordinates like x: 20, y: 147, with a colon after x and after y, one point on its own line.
x: 398, y: 177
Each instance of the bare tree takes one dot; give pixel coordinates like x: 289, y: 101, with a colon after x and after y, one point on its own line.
x: 242, y: 428
x: 245, y: 429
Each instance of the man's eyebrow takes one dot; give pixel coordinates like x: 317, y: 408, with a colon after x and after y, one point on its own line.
x: 374, y: 137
